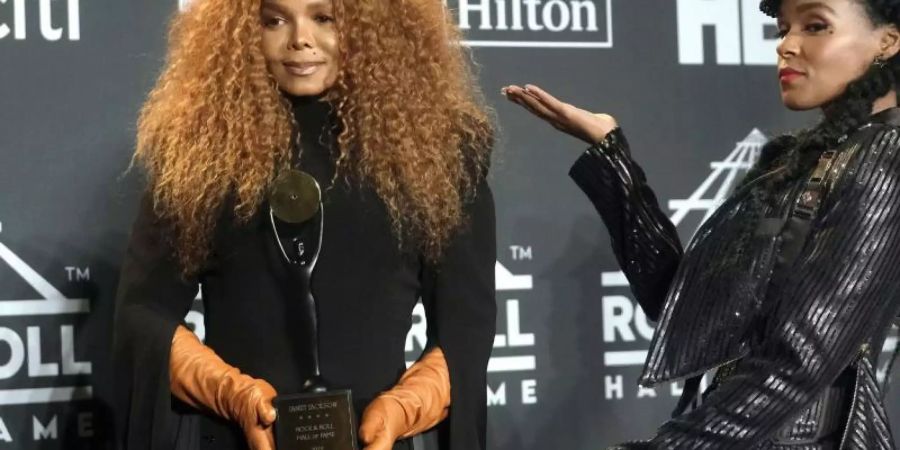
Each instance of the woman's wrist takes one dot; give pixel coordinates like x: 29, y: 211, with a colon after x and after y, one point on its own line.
x: 601, y: 126
x: 613, y: 138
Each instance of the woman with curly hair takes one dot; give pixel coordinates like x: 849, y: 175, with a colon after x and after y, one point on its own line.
x: 373, y: 107
x: 790, y: 287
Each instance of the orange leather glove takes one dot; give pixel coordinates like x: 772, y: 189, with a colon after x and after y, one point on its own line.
x: 201, y: 379
x: 419, y: 401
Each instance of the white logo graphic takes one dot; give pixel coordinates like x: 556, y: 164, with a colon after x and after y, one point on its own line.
x: 514, y: 340
x: 726, y: 172
x: 20, y: 10
x: 27, y: 352
x: 535, y: 23
x: 740, y: 32
x: 514, y: 337
x: 51, y: 303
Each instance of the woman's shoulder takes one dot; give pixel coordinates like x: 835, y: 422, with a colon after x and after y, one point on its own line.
x: 882, y: 125
x: 869, y: 158
x: 875, y: 139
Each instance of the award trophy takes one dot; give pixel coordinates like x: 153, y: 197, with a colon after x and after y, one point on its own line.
x: 317, y: 418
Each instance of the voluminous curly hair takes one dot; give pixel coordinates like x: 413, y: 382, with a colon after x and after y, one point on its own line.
x: 412, y: 121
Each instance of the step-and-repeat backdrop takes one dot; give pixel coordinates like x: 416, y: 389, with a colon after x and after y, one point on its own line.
x: 691, y: 81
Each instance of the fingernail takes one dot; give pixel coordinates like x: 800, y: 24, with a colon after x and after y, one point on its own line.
x: 503, y: 91
x: 273, y: 414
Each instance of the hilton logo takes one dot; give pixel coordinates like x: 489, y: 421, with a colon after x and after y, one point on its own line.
x: 535, y: 23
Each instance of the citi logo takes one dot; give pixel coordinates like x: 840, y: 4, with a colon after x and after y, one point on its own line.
x: 14, y: 15
x: 739, y: 29
x: 535, y: 23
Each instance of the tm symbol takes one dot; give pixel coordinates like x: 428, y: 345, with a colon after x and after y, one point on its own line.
x: 78, y: 274
x: 520, y: 252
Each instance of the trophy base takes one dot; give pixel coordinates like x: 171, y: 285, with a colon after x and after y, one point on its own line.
x: 316, y: 421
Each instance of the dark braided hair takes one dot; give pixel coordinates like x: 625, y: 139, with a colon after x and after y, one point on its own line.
x: 798, y: 152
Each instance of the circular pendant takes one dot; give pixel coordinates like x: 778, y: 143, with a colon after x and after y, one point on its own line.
x: 295, y: 196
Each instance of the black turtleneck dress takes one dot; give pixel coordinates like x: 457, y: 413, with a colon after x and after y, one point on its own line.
x: 365, y: 287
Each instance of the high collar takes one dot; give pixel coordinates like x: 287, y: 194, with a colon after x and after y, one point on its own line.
x: 312, y: 114
x: 890, y: 116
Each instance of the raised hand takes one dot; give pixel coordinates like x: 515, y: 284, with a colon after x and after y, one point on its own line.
x: 565, y: 117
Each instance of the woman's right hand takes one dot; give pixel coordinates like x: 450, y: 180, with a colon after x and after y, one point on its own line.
x: 201, y: 379
x: 582, y: 124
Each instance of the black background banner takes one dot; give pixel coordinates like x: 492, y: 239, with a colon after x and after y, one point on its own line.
x: 692, y: 82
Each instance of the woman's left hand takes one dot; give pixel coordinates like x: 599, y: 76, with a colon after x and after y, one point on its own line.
x: 418, y: 401
x: 378, y: 430
x: 570, y: 119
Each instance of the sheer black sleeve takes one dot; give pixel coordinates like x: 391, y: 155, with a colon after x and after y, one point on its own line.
x: 644, y: 240
x: 461, y: 312
x: 151, y: 302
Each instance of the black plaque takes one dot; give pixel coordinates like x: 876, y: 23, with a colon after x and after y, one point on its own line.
x: 315, y: 421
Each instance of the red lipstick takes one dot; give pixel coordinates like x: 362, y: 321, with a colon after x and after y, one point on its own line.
x: 788, y: 75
